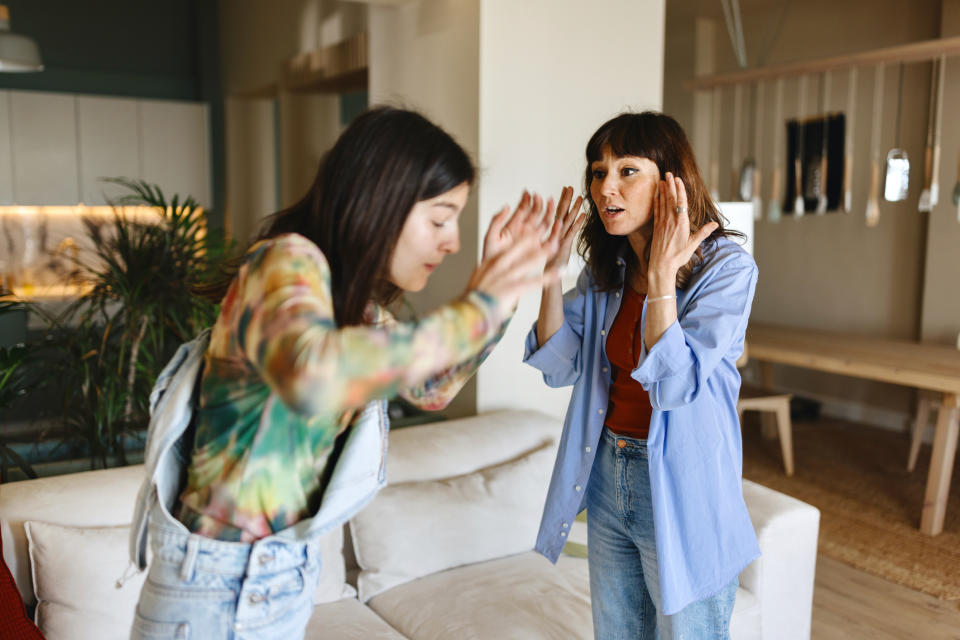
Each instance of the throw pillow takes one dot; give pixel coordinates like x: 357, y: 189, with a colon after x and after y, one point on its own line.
x: 76, y: 592
x: 75, y: 571
x: 417, y: 528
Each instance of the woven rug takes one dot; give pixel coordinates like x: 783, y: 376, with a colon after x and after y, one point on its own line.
x: 869, y: 504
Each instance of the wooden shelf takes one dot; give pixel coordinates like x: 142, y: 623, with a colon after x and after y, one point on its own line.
x: 912, y: 52
x: 338, y: 68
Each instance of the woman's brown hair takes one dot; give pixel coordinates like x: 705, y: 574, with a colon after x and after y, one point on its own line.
x: 661, y: 139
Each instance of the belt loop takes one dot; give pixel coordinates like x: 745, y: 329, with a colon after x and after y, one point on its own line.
x: 188, y: 568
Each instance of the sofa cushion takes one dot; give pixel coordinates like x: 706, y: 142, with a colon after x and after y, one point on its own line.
x: 347, y: 619
x: 417, y: 528
x: 522, y: 597
x: 76, y: 592
x: 75, y: 571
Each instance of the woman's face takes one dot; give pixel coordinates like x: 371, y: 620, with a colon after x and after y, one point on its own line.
x: 430, y: 232
x: 623, y: 188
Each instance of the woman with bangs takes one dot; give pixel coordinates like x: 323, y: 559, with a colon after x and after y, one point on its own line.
x: 649, y: 339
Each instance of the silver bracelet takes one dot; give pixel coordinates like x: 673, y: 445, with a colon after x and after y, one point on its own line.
x: 659, y: 298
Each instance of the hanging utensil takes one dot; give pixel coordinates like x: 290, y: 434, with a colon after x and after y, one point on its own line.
x: 897, y: 181
x: 715, y: 144
x: 873, y: 206
x: 956, y: 188
x: 773, y: 213
x: 924, y: 204
x: 848, y: 143
x: 938, y: 130
x: 822, y: 182
x: 798, y: 204
x: 735, y: 147
x: 748, y: 168
x: 756, y: 177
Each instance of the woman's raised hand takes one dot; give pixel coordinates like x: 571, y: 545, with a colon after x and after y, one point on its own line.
x: 672, y: 244
x: 515, y: 250
x: 566, y: 224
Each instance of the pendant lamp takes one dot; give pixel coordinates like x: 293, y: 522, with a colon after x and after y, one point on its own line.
x: 17, y: 53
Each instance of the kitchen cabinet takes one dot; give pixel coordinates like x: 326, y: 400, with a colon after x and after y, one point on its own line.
x: 109, y: 138
x: 55, y: 147
x: 6, y: 152
x: 174, y: 141
x: 44, y: 133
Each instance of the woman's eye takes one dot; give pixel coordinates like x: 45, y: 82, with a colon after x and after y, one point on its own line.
x: 628, y: 171
x: 598, y: 174
x: 438, y: 225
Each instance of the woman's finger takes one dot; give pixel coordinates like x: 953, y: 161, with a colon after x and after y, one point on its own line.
x: 703, y: 233
x: 671, y: 186
x: 681, y: 193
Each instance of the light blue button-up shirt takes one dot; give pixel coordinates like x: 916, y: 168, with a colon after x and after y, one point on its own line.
x: 703, y: 532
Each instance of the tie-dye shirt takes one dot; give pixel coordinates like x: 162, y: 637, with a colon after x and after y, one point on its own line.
x: 281, y: 381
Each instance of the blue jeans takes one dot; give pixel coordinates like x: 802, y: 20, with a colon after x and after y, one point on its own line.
x: 208, y: 589
x: 622, y: 551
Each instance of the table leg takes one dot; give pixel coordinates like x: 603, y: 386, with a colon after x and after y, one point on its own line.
x: 768, y: 421
x: 941, y: 466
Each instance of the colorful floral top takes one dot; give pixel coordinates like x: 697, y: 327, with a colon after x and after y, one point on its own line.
x: 281, y: 381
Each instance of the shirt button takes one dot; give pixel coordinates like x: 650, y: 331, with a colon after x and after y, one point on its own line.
x: 600, y: 411
x: 618, y: 294
x: 587, y: 449
x: 265, y: 559
x: 603, y: 332
x: 621, y: 443
x: 605, y: 369
x: 577, y: 488
x: 565, y: 525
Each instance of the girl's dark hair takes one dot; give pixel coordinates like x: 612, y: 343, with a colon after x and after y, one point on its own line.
x: 386, y: 161
x: 659, y: 138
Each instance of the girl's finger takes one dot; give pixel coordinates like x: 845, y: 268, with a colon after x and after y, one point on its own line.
x: 498, y: 222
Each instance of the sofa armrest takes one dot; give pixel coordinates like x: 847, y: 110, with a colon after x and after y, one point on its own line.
x: 782, y: 577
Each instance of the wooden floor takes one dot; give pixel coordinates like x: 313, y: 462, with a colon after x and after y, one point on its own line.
x: 849, y: 604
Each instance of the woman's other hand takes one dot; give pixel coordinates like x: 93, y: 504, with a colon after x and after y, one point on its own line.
x: 515, y: 250
x: 568, y: 220
x: 672, y: 244
x: 507, y: 227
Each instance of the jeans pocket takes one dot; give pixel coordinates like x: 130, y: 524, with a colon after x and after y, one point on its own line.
x: 153, y: 630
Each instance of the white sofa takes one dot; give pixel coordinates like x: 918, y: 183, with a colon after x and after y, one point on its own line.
x: 443, y: 552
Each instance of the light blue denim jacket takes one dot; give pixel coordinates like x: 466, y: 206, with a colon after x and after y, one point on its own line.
x: 703, y: 532
x: 360, y: 471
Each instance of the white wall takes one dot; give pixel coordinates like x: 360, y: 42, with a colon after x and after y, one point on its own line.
x: 426, y: 56
x: 551, y: 72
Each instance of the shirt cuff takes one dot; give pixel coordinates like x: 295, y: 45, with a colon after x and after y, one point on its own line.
x: 561, y: 348
x: 665, y: 359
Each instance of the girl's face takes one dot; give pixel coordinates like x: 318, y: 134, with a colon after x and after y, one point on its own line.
x: 623, y: 189
x: 430, y: 232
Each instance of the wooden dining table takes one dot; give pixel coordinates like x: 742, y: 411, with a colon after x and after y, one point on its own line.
x: 933, y: 367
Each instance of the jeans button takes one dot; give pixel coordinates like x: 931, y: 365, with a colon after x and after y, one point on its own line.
x: 621, y: 443
x: 255, y: 598
x: 265, y: 559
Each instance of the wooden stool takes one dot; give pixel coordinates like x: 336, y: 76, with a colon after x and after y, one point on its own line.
x: 757, y: 399
x: 927, y: 401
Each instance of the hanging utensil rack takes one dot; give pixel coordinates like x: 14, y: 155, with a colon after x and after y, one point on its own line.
x: 913, y: 52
